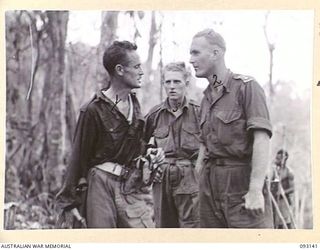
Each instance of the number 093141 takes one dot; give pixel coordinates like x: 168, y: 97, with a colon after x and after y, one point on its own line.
x: 308, y: 245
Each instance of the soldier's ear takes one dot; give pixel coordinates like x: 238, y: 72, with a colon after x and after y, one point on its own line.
x: 119, y: 70
x: 217, y: 51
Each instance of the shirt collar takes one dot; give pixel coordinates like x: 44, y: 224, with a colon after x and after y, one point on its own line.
x: 166, y: 106
x: 225, y: 84
x: 227, y: 81
x: 100, y: 95
x: 135, y: 108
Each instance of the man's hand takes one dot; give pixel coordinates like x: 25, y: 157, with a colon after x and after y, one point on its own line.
x: 254, y: 202
x: 77, y: 215
x: 158, y: 175
x: 157, y: 154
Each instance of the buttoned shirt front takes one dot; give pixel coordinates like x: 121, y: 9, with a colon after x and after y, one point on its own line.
x: 178, y: 136
x: 230, y: 114
x: 103, y: 134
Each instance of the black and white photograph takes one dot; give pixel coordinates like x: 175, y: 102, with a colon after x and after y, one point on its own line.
x: 158, y: 119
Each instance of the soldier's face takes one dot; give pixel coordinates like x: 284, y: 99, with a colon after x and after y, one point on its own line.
x: 132, y: 72
x: 175, y: 85
x: 201, y: 52
x: 280, y: 159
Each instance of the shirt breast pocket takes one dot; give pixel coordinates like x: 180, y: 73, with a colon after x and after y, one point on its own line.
x: 190, y: 134
x: 231, y: 127
x: 116, y: 132
x: 161, y: 135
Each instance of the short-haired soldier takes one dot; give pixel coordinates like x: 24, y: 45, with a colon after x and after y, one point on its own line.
x: 235, y: 132
x: 108, y: 148
x: 174, y: 125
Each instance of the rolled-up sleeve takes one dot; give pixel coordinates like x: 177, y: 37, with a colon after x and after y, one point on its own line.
x: 256, y: 108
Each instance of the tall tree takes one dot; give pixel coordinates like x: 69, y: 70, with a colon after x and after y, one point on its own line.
x: 149, y: 73
x: 35, y: 45
x: 54, y: 85
x: 43, y: 129
x: 271, y: 47
x: 109, y: 27
x: 22, y: 47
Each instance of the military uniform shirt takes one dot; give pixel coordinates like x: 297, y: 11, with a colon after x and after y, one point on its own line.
x: 229, y: 117
x: 103, y: 134
x: 178, y: 136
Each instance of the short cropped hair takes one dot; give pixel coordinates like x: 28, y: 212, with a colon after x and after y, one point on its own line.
x: 212, y: 37
x: 116, y: 53
x: 177, y: 67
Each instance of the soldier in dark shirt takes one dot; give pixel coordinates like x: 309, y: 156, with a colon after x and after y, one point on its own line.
x: 174, y: 125
x: 107, y: 149
x: 235, y: 132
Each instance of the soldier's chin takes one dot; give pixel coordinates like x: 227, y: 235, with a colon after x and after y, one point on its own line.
x: 139, y: 84
x: 199, y: 74
x: 173, y: 97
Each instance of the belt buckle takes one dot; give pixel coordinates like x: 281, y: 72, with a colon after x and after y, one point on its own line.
x: 115, y: 166
x: 124, y: 174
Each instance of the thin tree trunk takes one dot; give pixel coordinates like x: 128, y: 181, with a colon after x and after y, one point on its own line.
x: 271, y: 48
x: 51, y: 113
x: 148, y: 64
x: 109, y: 27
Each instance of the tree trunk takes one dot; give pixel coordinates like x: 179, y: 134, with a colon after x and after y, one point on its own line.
x: 148, y: 72
x: 51, y: 115
x: 271, y: 48
x: 34, y: 40
x: 17, y: 48
x: 69, y: 111
x: 152, y: 43
x: 109, y: 27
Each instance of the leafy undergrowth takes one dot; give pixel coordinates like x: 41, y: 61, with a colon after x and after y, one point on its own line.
x: 33, y: 213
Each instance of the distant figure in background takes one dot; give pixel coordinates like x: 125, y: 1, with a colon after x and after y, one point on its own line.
x: 284, y: 175
x: 174, y: 124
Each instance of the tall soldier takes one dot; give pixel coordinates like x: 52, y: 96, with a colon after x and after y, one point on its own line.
x: 235, y: 132
x: 107, y: 150
x: 174, y: 125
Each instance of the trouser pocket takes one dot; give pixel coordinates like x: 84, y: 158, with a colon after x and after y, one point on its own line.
x: 189, y: 181
x: 175, y: 175
x: 137, y: 211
